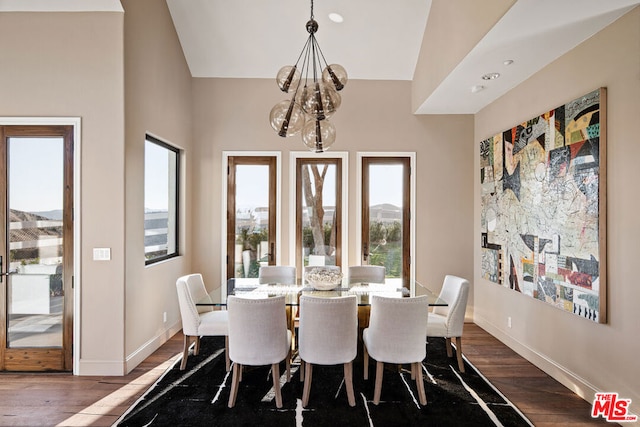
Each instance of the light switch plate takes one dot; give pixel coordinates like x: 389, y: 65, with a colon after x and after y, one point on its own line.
x: 101, y: 254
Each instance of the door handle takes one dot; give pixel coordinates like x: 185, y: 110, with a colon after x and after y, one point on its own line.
x: 271, y: 253
x: 365, y: 251
x: 5, y: 273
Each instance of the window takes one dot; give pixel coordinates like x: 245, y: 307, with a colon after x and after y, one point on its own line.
x: 251, y: 214
x: 318, y: 212
x: 161, y: 183
x: 386, y: 203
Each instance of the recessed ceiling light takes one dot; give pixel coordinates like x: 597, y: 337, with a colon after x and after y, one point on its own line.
x: 491, y: 76
x: 508, y: 62
x: 477, y: 88
x: 336, y: 17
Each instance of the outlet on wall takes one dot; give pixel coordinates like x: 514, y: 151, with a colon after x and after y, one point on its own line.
x: 509, y: 322
x: 164, y: 318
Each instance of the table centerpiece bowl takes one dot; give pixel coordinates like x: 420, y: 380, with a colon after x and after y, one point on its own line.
x: 323, y: 278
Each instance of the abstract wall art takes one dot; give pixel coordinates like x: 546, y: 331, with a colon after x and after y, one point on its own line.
x: 543, y: 207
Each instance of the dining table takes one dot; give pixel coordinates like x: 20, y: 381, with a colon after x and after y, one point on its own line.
x: 292, y: 290
x: 255, y: 287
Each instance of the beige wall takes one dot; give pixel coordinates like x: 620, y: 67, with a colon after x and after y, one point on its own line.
x: 76, y: 65
x: 71, y: 65
x: 232, y: 114
x: 583, y: 355
x: 157, y: 101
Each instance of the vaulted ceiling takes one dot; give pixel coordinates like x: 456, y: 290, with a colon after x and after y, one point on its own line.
x: 380, y: 39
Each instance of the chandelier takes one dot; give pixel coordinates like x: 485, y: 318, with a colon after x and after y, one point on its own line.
x: 314, y: 97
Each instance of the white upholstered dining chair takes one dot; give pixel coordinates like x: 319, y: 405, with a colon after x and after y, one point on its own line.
x: 277, y: 273
x: 366, y: 273
x: 328, y: 335
x: 448, y: 321
x: 282, y: 274
x: 258, y: 335
x: 396, y: 334
x: 199, y: 321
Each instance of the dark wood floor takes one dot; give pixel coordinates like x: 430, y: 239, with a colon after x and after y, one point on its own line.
x: 67, y: 400
x: 542, y: 399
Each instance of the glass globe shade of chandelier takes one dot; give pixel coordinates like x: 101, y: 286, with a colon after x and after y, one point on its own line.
x: 314, y: 98
x: 287, y: 118
x: 318, y: 135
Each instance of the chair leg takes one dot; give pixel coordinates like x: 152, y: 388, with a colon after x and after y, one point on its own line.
x: 448, y: 345
x: 287, y: 363
x: 196, y: 349
x: 275, y: 373
x: 378, y: 388
x: 422, y: 396
x: 307, y: 384
x: 459, y: 353
x: 185, y: 353
x: 366, y: 362
x: 348, y: 382
x: 226, y: 353
x: 237, y: 371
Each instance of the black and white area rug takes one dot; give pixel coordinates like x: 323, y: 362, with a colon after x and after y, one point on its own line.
x: 198, y: 396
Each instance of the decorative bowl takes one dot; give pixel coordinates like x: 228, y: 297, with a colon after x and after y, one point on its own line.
x: 322, y: 278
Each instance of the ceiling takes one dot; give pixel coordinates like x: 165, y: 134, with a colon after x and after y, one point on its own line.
x: 381, y: 39
x: 378, y: 40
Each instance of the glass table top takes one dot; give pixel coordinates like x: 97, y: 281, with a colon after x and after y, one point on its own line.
x: 254, y: 288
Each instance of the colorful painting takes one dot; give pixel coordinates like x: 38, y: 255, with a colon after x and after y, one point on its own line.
x: 543, y: 207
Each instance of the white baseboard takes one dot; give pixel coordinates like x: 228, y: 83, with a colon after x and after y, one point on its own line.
x: 120, y: 368
x: 99, y: 368
x: 564, y: 376
x: 147, y: 349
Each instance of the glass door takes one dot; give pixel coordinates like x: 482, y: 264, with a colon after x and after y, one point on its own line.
x: 385, y: 230
x: 318, y: 212
x: 37, y: 251
x: 251, y: 214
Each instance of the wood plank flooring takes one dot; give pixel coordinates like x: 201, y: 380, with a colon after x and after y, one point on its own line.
x: 65, y: 400
x: 542, y: 399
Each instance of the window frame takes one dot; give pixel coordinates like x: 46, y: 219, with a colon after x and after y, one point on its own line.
x: 176, y: 200
x: 405, y: 163
x: 224, y: 206
x: 271, y: 162
x: 294, y: 205
x: 412, y: 205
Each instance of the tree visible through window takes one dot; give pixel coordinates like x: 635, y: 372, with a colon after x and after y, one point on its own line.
x: 319, y: 211
x: 161, y: 177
